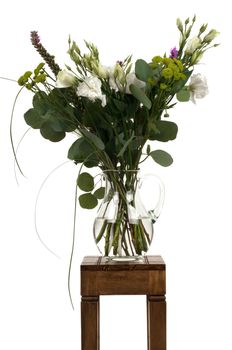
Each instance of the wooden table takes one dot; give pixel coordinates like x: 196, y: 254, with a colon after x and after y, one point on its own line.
x: 100, y: 276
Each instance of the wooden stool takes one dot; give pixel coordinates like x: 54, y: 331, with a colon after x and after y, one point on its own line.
x: 100, y: 276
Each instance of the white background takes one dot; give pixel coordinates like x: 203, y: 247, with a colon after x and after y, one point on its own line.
x: 193, y: 232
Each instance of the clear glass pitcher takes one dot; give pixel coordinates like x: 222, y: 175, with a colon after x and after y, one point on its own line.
x: 123, y: 228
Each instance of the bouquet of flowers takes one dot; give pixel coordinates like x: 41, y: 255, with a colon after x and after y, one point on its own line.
x: 114, y: 111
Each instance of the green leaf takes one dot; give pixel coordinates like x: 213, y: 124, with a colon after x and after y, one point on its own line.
x: 177, y: 86
x: 126, y: 144
x: 33, y: 118
x: 99, y: 193
x: 140, y: 95
x: 48, y: 132
x: 91, y: 163
x: 88, y: 201
x: 85, y: 182
x: 120, y: 105
x: 93, y: 139
x: 161, y: 157
x: 142, y: 70
x: 41, y: 102
x: 82, y: 151
x: 183, y: 95
x: 166, y: 131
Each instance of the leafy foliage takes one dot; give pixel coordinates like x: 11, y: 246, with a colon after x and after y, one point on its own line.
x: 88, y: 201
x: 85, y: 182
x: 161, y: 157
x: 115, y: 110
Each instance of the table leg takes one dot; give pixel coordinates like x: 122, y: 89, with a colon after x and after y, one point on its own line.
x: 90, y: 335
x: 156, y: 322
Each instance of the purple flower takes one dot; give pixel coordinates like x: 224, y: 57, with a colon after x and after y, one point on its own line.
x: 35, y: 39
x: 173, y: 53
x: 120, y: 63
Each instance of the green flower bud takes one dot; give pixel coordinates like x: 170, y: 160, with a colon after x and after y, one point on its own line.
x: 167, y: 73
x: 76, y: 48
x: 173, y: 67
x: 29, y: 86
x: 157, y: 59
x: 167, y: 61
x: 210, y: 36
x: 119, y: 74
x: 151, y: 81
x: 179, y: 25
x: 24, y: 78
x: 196, y: 57
x: 163, y: 86
x: 179, y: 64
x: 177, y: 76
x: 40, y: 78
x: 203, y: 28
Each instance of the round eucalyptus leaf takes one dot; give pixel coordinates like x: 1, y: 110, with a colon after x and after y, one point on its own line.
x: 163, y: 131
x: 183, y: 95
x: 88, y: 201
x: 161, y: 157
x: 33, y: 118
x: 48, y: 132
x: 99, y: 193
x: 85, y: 182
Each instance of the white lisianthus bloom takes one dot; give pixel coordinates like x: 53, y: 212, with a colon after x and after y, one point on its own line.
x: 198, y: 87
x: 193, y: 44
x: 91, y: 88
x: 65, y: 79
x: 131, y: 79
x: 113, y: 82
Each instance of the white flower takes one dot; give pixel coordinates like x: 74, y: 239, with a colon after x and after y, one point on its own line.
x: 131, y: 79
x: 116, y: 77
x: 192, y: 45
x: 91, y: 88
x: 113, y: 82
x: 65, y: 79
x: 198, y: 87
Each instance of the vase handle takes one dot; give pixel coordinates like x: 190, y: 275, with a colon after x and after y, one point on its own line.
x: 154, y: 213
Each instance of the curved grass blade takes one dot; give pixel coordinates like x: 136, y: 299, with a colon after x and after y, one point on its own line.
x: 36, y: 206
x: 72, y: 249
x: 16, y: 179
x: 15, y: 81
x: 11, y: 135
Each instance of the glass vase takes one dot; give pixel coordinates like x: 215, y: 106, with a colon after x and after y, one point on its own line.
x: 123, y: 228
